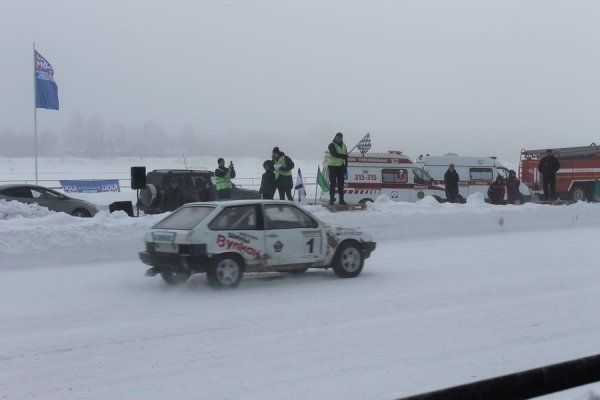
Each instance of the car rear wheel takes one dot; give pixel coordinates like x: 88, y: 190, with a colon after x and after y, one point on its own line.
x: 348, y: 260
x: 80, y: 212
x: 175, y: 277
x: 225, y: 272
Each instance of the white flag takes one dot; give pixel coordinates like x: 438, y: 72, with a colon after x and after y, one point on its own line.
x: 300, y: 186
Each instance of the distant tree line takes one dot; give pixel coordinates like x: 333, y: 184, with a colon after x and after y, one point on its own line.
x: 93, y: 138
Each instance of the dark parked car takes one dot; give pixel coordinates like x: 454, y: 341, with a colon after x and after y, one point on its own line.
x: 49, y: 198
x: 191, y: 182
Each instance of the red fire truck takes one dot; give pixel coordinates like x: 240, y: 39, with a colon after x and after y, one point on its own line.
x: 575, y: 180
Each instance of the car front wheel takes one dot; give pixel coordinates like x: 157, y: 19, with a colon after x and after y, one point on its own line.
x: 348, y: 261
x: 80, y: 212
x: 225, y: 272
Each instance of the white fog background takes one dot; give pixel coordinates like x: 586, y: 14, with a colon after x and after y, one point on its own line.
x: 470, y: 77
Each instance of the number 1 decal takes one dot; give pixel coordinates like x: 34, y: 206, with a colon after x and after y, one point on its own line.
x: 312, y: 245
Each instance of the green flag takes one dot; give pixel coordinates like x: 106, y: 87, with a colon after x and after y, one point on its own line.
x: 321, y: 181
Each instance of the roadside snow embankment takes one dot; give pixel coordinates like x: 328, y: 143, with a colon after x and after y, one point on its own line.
x: 32, y: 235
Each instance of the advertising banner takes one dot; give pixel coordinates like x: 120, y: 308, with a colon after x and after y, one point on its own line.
x: 90, y: 186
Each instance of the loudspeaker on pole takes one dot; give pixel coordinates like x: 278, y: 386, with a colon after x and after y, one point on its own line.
x: 138, y: 177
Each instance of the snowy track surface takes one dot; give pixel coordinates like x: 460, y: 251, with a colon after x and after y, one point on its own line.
x: 452, y: 294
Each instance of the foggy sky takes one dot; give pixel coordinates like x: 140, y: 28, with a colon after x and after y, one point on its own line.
x: 469, y: 77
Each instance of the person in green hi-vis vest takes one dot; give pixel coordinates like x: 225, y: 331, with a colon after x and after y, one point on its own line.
x: 223, y: 176
x: 337, y: 163
x: 283, y: 166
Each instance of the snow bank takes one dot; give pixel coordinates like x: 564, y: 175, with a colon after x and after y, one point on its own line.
x: 33, y: 235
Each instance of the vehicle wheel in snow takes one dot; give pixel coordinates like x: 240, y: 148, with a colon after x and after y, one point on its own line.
x: 365, y: 201
x: 175, y: 277
x: 225, y: 272
x: 348, y: 261
x: 80, y: 212
x: 578, y: 193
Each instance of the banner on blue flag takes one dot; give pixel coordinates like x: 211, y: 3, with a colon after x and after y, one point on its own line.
x: 46, y: 89
x: 90, y: 186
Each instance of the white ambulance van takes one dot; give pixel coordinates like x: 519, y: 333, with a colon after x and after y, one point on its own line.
x: 475, y: 173
x: 393, y: 174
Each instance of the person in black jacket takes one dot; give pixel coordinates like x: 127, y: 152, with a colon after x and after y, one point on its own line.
x: 283, y: 166
x: 267, y: 184
x: 451, y: 179
x: 173, y: 196
x: 513, y: 196
x: 496, y: 191
x: 548, y: 167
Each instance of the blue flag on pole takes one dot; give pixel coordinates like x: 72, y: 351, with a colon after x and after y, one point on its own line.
x: 46, y: 90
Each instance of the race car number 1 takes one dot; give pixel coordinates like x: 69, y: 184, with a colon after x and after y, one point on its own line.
x: 312, y: 245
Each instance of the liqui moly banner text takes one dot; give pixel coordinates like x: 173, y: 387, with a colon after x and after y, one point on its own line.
x: 90, y: 186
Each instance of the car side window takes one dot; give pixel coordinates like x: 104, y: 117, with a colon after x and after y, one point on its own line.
x: 287, y: 217
x: 420, y: 176
x: 238, y: 218
x: 18, y: 192
x: 37, y: 194
x: 481, y: 174
x: 393, y: 175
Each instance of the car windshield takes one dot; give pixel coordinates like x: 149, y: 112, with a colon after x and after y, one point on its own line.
x: 185, y: 218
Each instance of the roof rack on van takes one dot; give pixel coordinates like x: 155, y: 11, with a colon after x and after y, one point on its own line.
x: 394, y: 152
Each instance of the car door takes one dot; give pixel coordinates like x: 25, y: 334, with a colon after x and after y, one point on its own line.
x: 50, y: 199
x: 238, y: 229
x: 394, y: 183
x: 292, y: 236
x: 479, y: 180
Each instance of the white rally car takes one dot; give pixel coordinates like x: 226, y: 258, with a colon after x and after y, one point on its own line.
x: 228, y: 238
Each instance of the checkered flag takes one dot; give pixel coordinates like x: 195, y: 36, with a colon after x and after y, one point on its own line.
x: 365, y: 144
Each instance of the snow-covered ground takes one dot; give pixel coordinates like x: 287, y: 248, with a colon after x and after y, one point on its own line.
x: 453, y: 294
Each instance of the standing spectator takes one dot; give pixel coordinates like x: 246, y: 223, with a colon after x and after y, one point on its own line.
x: 496, y: 190
x: 548, y: 167
x: 223, y: 177
x: 267, y: 184
x: 451, y: 179
x: 283, y: 166
x: 513, y: 195
x: 205, y: 192
x: 173, y: 197
x: 337, y: 161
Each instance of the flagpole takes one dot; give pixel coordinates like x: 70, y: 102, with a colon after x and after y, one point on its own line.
x: 316, y: 188
x: 35, y: 140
